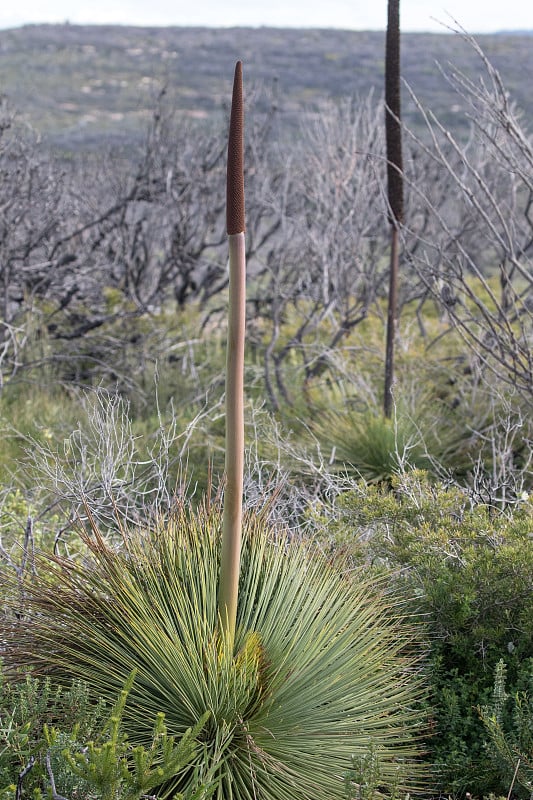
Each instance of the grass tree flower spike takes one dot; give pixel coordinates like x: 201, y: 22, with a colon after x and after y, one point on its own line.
x: 231, y: 538
x: 393, y: 134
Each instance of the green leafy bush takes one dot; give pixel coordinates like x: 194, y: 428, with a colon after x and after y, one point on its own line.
x: 363, y: 781
x: 30, y: 705
x: 466, y: 572
x: 508, y: 720
x: 61, y: 762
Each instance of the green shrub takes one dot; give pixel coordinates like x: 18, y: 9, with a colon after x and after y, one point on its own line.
x: 363, y: 781
x: 30, y: 705
x: 64, y: 763
x: 508, y: 720
x: 466, y: 572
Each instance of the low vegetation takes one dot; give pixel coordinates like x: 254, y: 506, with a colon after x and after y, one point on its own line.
x: 449, y: 542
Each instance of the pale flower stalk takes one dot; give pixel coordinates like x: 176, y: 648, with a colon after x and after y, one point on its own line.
x: 232, y: 529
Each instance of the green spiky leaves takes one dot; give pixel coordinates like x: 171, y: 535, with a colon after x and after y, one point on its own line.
x: 318, y: 673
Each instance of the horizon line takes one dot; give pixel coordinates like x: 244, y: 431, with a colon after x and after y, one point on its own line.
x: 447, y: 31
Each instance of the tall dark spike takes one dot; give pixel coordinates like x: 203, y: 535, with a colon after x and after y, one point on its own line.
x: 235, y: 171
x: 393, y: 130
x: 393, y: 134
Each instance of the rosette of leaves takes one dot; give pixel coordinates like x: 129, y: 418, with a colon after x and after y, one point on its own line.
x: 321, y: 669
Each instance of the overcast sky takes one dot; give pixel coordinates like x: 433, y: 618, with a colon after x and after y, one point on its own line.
x: 477, y: 16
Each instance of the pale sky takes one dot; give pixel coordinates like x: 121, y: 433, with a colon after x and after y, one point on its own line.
x: 476, y: 16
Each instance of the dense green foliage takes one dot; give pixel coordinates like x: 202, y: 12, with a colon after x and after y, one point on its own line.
x: 56, y: 742
x: 466, y: 571
x: 26, y: 708
x: 508, y: 720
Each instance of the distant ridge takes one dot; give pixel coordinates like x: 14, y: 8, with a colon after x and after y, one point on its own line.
x: 81, y: 86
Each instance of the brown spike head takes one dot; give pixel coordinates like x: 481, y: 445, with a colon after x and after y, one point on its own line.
x: 393, y: 127
x: 235, y: 173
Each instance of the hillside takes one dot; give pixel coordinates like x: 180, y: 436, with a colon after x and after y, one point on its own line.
x: 83, y: 85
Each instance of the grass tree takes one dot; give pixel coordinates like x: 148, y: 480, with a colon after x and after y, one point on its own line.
x: 321, y: 673
x: 313, y: 672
